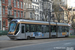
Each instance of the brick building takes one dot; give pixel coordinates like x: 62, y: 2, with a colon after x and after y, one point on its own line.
x: 10, y: 9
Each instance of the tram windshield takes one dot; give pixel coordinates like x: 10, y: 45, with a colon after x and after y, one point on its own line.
x: 12, y: 26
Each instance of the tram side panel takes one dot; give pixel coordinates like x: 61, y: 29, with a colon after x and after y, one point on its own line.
x: 63, y: 31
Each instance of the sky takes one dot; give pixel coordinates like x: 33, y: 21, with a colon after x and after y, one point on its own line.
x: 72, y: 3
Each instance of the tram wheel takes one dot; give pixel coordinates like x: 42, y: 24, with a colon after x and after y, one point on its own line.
x: 28, y: 38
x: 67, y: 36
x: 13, y: 39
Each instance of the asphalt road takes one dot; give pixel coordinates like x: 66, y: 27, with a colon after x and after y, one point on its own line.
x: 58, y: 45
x: 37, y: 44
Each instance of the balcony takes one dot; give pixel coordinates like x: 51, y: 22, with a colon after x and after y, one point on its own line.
x: 36, y: 2
x: 29, y: 18
x: 29, y: 9
x: 10, y: 16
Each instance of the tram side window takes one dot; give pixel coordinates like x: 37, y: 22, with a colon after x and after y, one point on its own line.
x: 59, y: 28
x: 43, y: 28
x: 53, y: 28
x: 27, y: 28
x: 39, y: 29
x: 33, y: 28
x: 63, y: 28
x: 47, y: 28
x: 66, y: 29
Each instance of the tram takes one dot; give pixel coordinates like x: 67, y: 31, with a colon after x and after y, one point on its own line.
x: 27, y: 29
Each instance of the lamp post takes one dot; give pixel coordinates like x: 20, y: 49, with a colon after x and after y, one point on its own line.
x: 47, y: 11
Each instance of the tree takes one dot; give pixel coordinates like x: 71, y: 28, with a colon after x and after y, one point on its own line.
x: 73, y: 19
x: 73, y: 22
x: 58, y: 11
x: 60, y: 5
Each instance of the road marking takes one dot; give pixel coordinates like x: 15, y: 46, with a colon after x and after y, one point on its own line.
x: 34, y: 44
x: 27, y: 45
x: 67, y: 43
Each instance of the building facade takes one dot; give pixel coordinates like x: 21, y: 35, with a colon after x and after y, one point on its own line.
x: 0, y: 15
x: 41, y: 9
x: 17, y: 8
x: 10, y: 9
x: 28, y: 11
x: 35, y: 5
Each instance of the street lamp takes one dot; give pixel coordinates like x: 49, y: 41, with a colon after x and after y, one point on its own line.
x: 47, y: 11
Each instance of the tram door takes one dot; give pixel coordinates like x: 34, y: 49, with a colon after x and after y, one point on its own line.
x: 23, y: 35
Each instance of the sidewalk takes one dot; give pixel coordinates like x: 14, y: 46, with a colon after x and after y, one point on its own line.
x: 4, y: 37
x: 72, y: 36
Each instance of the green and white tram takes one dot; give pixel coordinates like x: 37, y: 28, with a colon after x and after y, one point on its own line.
x: 26, y: 29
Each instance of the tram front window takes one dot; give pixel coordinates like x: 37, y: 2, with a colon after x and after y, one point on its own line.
x: 12, y: 26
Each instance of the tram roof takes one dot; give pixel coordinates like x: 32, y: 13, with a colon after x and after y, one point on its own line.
x: 44, y: 22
